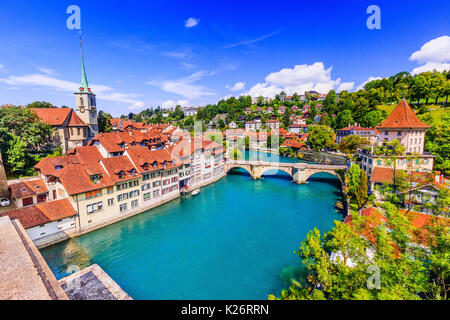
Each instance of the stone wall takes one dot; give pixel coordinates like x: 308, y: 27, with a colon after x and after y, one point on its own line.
x: 324, y: 158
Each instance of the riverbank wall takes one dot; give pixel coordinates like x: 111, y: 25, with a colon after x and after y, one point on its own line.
x: 324, y: 157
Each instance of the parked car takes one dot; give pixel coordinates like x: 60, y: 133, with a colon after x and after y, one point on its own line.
x: 4, y: 202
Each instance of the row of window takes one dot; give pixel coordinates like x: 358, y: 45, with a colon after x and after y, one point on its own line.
x: 126, y: 185
x: 169, y: 181
x: 149, y: 176
x: 169, y: 173
x: 128, y: 195
x: 406, y: 161
x: 158, y: 183
x: 93, y: 194
x: 169, y: 189
x: 148, y: 195
x: 78, y: 131
x: 124, y: 206
x: 94, y: 208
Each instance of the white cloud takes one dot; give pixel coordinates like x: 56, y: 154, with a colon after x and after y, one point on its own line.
x: 182, y: 54
x: 186, y: 86
x: 247, y: 42
x: 1, y: 66
x: 299, y: 79
x: 263, y: 89
x: 103, y: 92
x: 170, y: 103
x: 434, y: 55
x: 346, y: 86
x: 191, y: 22
x: 237, y: 86
x: 46, y: 71
x: 430, y: 66
x: 361, y: 86
x: 188, y: 65
x: 436, y: 50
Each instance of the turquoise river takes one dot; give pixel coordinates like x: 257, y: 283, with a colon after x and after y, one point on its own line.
x: 235, y: 240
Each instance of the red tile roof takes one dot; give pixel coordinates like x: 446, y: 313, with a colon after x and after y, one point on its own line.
x: 121, y: 169
x: 28, y: 188
x: 52, y: 116
x: 42, y: 213
x: 76, y: 178
x: 356, y: 128
x: 386, y: 175
x: 403, y: 117
x: 419, y: 221
x: 75, y: 121
x: 86, y: 154
x: 115, y: 122
x: 54, y: 166
x: 291, y: 143
x: 116, y: 141
x: 147, y: 161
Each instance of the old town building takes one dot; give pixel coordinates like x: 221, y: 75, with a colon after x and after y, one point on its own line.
x: 404, y: 126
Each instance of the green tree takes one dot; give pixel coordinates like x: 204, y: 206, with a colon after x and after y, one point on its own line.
x: 351, y: 144
x: 286, y: 120
x: 344, y: 118
x: 321, y: 137
x: 221, y: 124
x: 40, y: 105
x: 372, y: 119
x: 330, y: 103
x: 17, y: 155
x: 407, y: 272
x: 178, y: 114
x: 352, y: 179
x: 104, y: 122
x: 438, y: 142
x: 421, y: 86
x: 361, y: 193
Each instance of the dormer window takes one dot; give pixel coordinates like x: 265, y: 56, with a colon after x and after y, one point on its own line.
x: 133, y: 172
x: 58, y: 167
x: 121, y: 175
x: 96, y: 178
x: 155, y: 164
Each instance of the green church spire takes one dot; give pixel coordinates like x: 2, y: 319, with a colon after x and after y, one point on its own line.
x: 84, y: 86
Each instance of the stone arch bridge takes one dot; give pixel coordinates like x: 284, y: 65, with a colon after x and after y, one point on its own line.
x: 300, y: 172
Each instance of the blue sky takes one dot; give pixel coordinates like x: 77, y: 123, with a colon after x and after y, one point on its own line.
x: 145, y: 54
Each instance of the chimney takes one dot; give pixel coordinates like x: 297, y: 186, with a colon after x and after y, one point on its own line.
x: 439, y: 177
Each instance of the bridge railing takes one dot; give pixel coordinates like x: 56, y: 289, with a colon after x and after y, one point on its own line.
x: 286, y: 165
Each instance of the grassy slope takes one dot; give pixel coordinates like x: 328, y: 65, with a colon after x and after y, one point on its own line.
x: 437, y: 112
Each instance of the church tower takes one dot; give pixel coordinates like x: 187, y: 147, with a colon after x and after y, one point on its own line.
x: 85, y: 102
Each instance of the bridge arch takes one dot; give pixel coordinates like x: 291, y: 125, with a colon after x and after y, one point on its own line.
x: 285, y: 170
x: 246, y: 168
x: 330, y: 172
